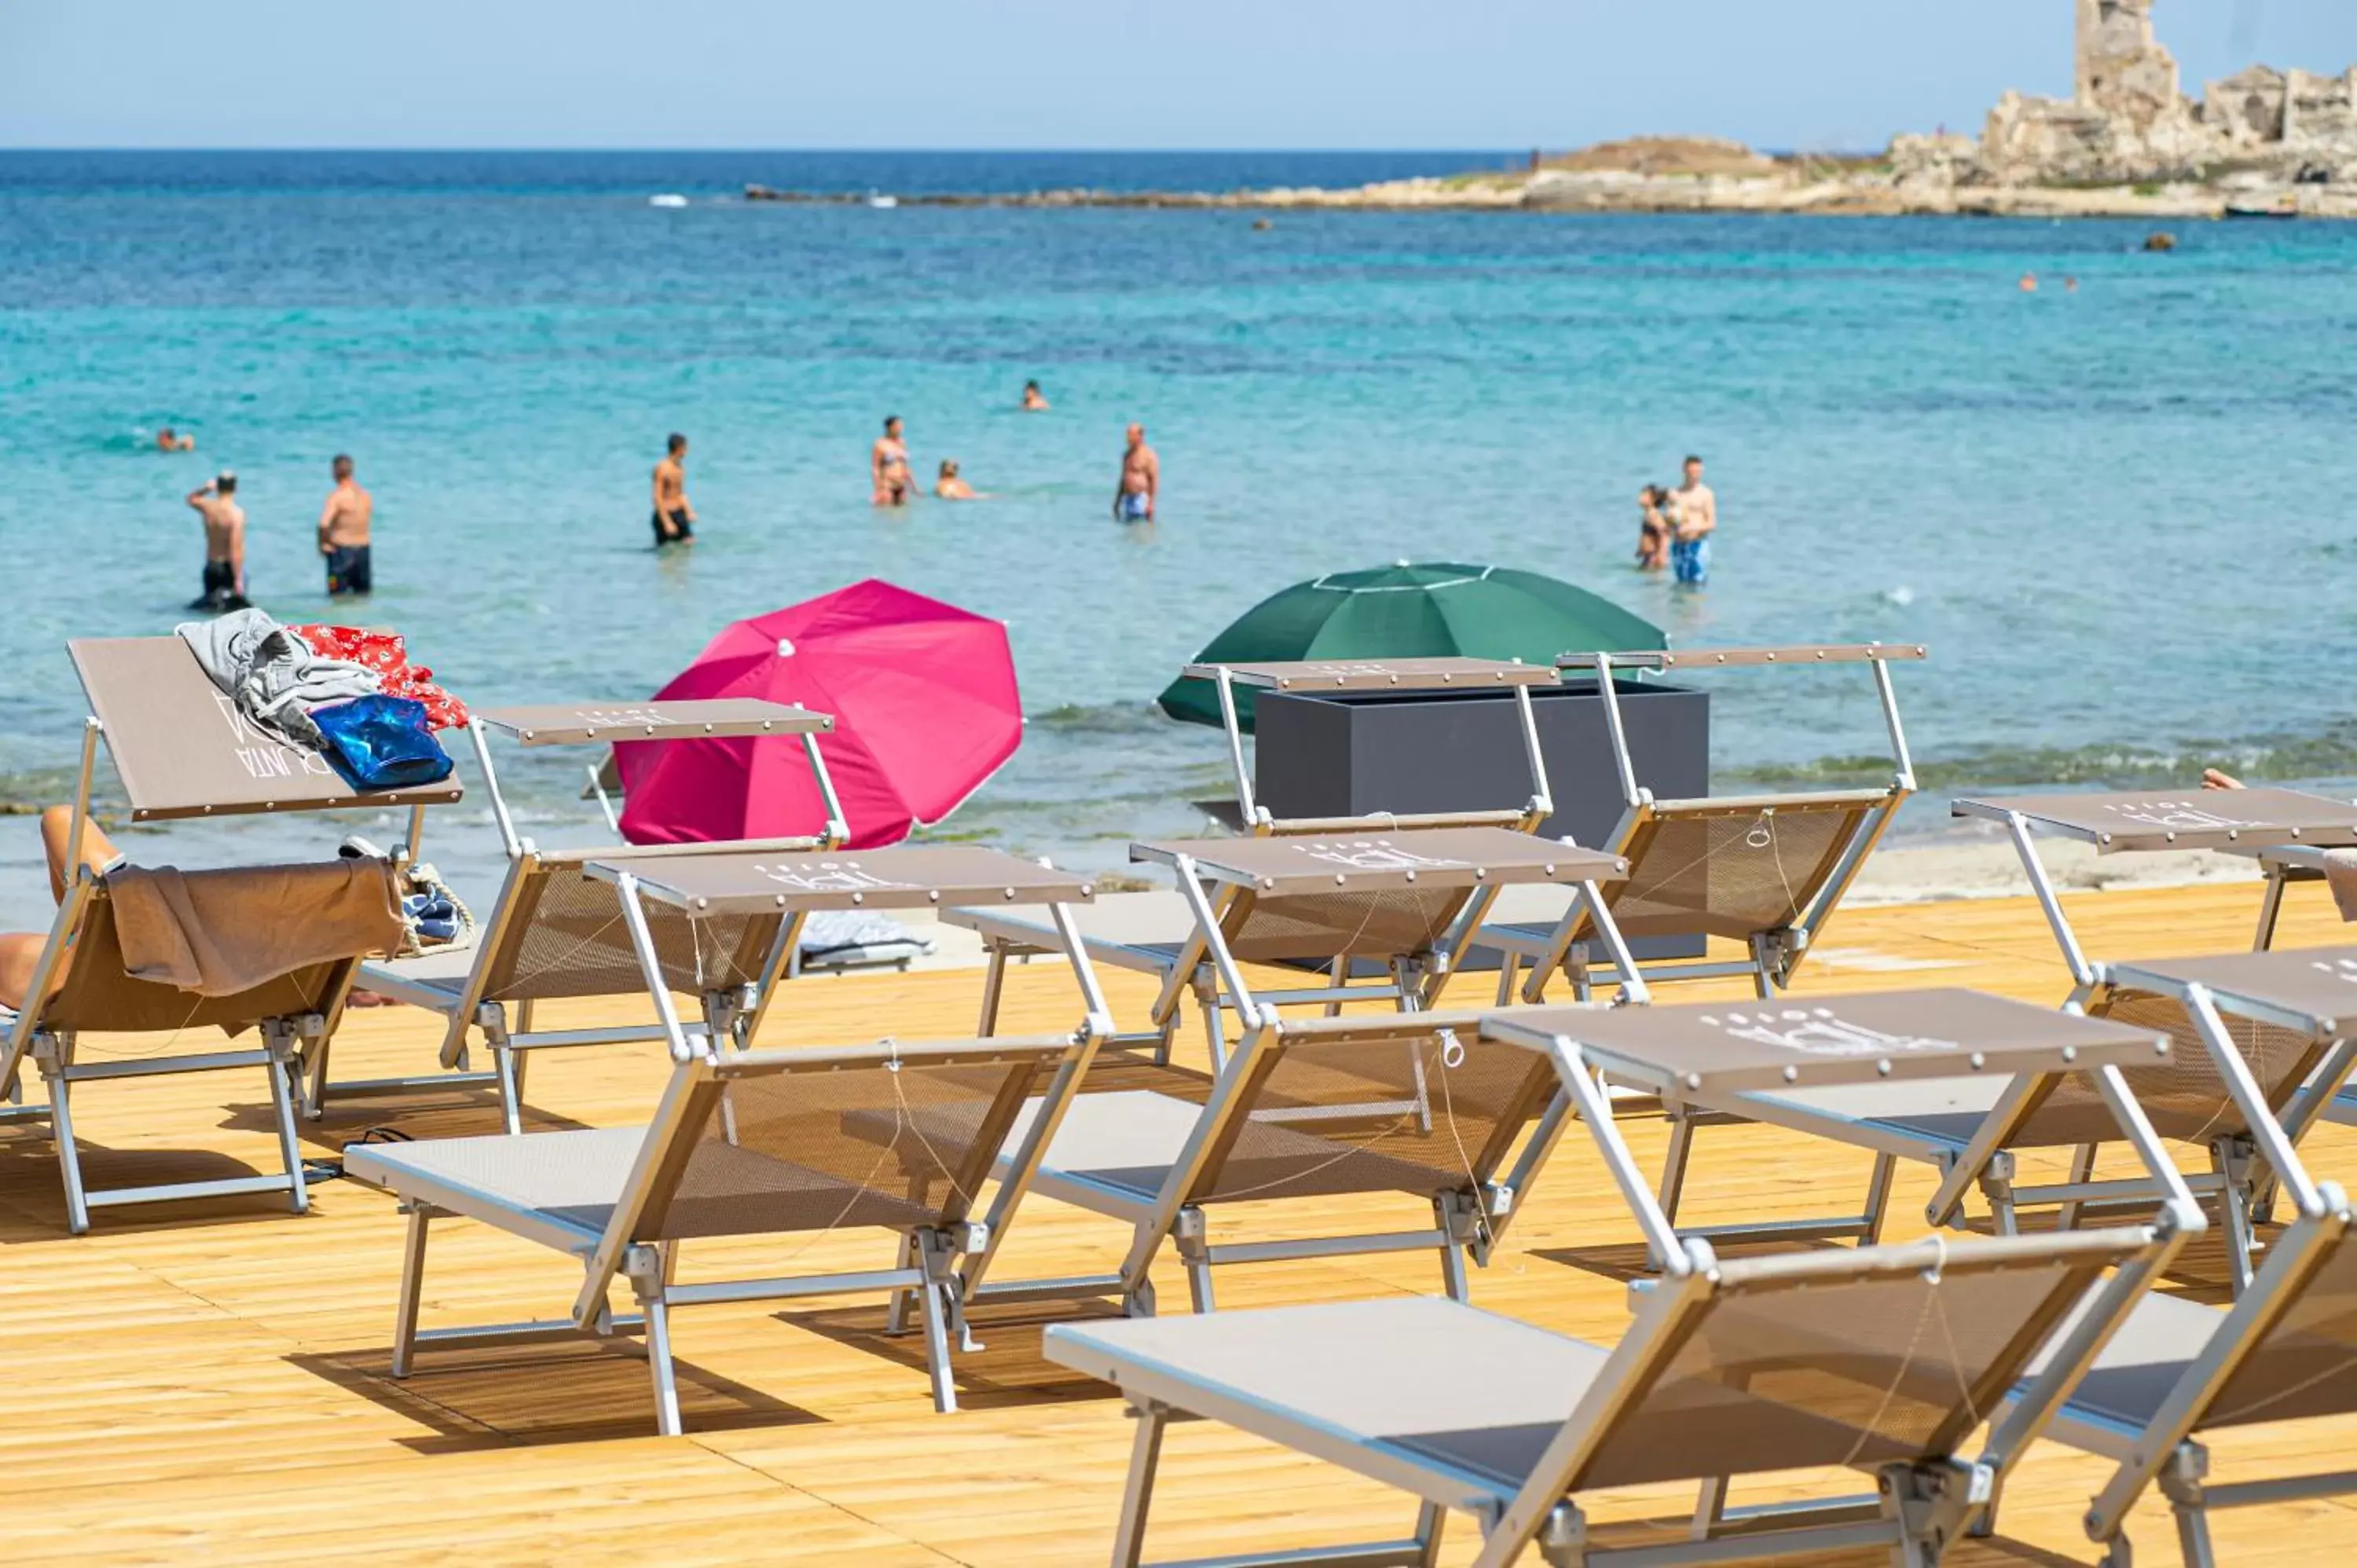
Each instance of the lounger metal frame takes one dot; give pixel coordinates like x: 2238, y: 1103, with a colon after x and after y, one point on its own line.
x: 1918, y: 1510
x: 2282, y: 864
x: 926, y: 1273
x: 284, y: 1040
x: 732, y: 1013
x: 1774, y: 954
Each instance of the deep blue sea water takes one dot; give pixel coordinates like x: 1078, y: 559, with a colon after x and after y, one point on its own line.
x: 2120, y: 515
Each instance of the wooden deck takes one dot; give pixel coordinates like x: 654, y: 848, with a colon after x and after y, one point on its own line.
x: 208, y: 1381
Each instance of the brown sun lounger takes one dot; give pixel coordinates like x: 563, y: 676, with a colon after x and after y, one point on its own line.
x: 1729, y: 1369
x: 557, y: 934
x: 766, y: 1144
x: 1766, y: 871
x: 1404, y: 904
x: 183, y: 750
x: 1306, y: 1111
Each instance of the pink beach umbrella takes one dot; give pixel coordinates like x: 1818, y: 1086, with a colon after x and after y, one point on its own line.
x: 925, y: 707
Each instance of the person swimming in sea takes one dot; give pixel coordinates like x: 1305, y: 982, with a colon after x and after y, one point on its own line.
x: 674, y: 518
x: 1141, y: 480
x: 951, y: 487
x: 887, y: 467
x: 170, y: 440
x: 1034, y: 399
x: 1655, y: 528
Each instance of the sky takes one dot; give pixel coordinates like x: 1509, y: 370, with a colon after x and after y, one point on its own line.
x: 1489, y: 74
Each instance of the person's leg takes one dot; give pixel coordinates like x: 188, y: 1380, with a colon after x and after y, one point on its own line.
x: 98, y: 850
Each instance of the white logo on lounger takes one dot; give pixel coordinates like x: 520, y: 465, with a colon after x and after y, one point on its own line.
x: 1377, y: 855
x: 261, y: 756
x: 828, y: 876
x: 1345, y: 670
x: 2341, y: 969
x: 2176, y: 816
x: 1819, y: 1032
x: 612, y: 718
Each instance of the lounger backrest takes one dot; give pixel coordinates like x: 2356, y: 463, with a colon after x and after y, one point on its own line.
x: 814, y: 1140
x: 1839, y: 1358
x: 1417, y: 1104
x: 1379, y: 924
x: 2305, y: 1363
x: 562, y: 934
x: 98, y: 994
x: 1737, y: 870
x: 2184, y: 1096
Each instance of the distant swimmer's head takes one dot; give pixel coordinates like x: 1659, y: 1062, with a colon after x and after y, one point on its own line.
x: 1694, y: 470
x: 676, y: 446
x: 341, y: 466
x: 225, y: 483
x: 167, y: 439
x: 892, y: 427
x: 948, y: 468
x: 1031, y: 389
x: 1137, y: 436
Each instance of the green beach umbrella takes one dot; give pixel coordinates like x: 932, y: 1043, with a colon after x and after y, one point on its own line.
x: 1412, y: 610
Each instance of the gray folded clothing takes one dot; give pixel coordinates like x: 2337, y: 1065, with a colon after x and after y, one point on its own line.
x: 272, y: 674
x: 219, y: 933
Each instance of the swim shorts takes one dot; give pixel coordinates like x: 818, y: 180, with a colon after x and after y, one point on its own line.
x: 1690, y: 559
x: 678, y: 528
x: 220, y: 589
x: 1133, y: 507
x: 348, y: 569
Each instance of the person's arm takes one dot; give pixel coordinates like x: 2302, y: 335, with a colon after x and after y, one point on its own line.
x: 327, y: 521
x: 658, y: 490
x: 1708, y: 520
x: 1153, y: 483
x: 237, y: 554
x: 201, y: 494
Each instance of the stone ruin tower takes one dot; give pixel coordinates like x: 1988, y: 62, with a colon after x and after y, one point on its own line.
x: 2128, y: 119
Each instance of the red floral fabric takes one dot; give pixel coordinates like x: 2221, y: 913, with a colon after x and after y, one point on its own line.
x: 387, y: 653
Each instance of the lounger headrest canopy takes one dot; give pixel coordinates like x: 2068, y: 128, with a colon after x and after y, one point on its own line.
x: 599, y: 724
x: 1449, y: 674
x: 1731, y: 657
x: 1366, y: 862
x: 1715, y: 1049
x: 2317, y: 985
x: 2179, y: 819
x: 906, y: 876
x: 184, y: 750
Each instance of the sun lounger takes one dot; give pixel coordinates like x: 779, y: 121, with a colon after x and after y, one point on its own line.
x: 1306, y: 1111
x: 556, y: 933
x: 182, y: 750
x: 753, y: 1144
x: 2205, y: 1090
x: 2285, y: 1351
x: 1766, y: 871
x: 1149, y: 940
x: 770, y: 1142
x: 1403, y: 904
x: 1884, y: 1358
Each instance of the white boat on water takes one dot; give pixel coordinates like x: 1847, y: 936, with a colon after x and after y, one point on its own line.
x: 668, y: 199
x: 877, y: 199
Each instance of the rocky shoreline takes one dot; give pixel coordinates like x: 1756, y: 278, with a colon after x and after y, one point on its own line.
x: 2127, y: 144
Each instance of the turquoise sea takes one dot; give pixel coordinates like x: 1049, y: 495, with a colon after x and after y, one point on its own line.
x: 2120, y: 515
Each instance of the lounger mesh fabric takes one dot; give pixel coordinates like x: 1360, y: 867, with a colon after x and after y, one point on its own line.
x: 573, y: 942
x: 1852, y: 1372
x: 1729, y: 876
x: 857, y: 1146
x: 1342, y: 925
x: 99, y: 996
x: 2306, y: 1366
x: 1358, y: 1116
x: 2183, y: 1097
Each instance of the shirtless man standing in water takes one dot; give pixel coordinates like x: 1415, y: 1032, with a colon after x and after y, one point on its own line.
x: 1141, y: 480
x: 1696, y: 520
x: 344, y: 531
x: 887, y: 467
x: 224, y: 545
x: 675, y: 520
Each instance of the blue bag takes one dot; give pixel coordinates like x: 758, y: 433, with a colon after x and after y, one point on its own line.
x: 381, y: 743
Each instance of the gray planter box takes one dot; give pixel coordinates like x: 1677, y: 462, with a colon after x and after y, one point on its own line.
x: 1348, y: 755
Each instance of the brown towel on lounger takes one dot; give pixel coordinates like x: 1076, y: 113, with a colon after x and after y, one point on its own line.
x: 2340, y: 875
x: 217, y: 933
